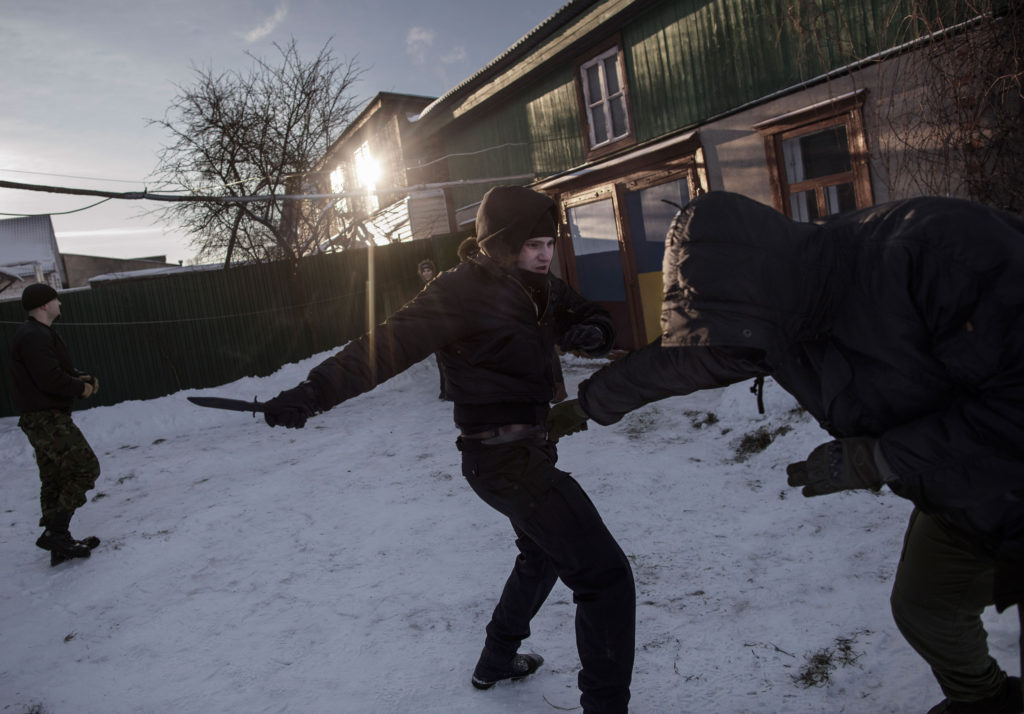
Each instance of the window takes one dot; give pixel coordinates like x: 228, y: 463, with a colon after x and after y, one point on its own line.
x: 367, y: 175
x: 604, y: 101
x: 817, y: 158
x: 338, y: 186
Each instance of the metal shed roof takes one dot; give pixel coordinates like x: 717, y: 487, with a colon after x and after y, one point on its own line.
x: 29, y: 241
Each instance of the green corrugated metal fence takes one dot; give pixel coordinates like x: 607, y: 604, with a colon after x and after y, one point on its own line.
x: 148, y: 337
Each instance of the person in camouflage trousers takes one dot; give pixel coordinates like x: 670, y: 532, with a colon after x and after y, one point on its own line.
x: 44, y: 385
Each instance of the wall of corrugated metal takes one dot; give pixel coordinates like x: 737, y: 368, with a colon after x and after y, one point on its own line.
x: 536, y: 132
x: 686, y: 61
x: 691, y: 60
x: 149, y: 337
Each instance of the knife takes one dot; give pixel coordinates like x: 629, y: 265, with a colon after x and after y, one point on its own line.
x: 235, y: 405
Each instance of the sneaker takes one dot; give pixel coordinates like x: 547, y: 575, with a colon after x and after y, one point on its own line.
x: 1008, y: 700
x: 486, y: 675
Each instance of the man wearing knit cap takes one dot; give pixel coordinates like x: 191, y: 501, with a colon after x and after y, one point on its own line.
x: 44, y: 385
x: 426, y: 269
x: 494, y: 320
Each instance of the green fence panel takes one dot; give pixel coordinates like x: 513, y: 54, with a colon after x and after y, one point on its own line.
x: 146, y: 337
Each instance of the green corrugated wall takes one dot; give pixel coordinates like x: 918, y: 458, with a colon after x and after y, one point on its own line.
x: 149, y: 337
x: 686, y: 61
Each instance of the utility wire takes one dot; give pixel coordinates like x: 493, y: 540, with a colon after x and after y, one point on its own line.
x: 86, y: 178
x: 62, y: 213
x: 146, y: 195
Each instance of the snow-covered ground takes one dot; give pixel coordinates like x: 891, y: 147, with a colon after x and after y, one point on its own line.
x: 347, y: 567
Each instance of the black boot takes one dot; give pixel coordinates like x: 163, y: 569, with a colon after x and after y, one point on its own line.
x: 1007, y: 701
x: 491, y: 669
x: 62, y: 521
x: 59, y: 542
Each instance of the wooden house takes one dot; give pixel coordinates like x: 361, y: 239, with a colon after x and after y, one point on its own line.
x: 368, y: 163
x: 29, y: 254
x: 625, y: 109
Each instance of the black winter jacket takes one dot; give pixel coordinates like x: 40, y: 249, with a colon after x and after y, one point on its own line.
x: 494, y: 345
x: 903, y: 322
x: 42, y: 374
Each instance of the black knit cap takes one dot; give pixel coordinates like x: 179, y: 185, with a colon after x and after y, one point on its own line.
x: 510, y: 215
x: 37, y: 295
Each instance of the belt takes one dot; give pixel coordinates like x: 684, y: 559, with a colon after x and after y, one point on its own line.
x: 506, y: 433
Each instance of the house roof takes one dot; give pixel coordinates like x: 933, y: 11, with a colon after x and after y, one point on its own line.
x: 380, y: 101
x: 560, y: 38
x: 25, y: 242
x: 527, y: 43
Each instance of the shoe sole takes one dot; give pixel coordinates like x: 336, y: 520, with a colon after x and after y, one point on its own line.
x: 487, y: 684
x: 56, y: 558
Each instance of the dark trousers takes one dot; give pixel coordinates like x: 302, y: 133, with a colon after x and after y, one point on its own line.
x: 940, y: 591
x: 560, y: 534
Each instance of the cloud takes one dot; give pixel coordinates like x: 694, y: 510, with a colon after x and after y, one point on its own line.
x: 417, y: 41
x: 258, y: 33
x: 458, y: 54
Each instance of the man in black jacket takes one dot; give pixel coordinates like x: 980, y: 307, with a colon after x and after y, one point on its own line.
x: 494, y: 321
x: 44, y: 384
x: 427, y: 271
x: 901, y: 330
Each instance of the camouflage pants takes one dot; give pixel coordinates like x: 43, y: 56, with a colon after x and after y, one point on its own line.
x: 68, y: 468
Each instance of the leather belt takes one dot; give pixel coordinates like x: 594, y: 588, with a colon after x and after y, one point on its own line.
x: 507, y: 433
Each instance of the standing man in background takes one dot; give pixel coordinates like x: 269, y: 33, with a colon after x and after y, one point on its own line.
x: 44, y: 385
x: 427, y: 272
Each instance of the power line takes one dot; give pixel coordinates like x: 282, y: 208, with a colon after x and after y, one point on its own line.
x: 146, y: 195
x: 62, y: 213
x: 70, y: 176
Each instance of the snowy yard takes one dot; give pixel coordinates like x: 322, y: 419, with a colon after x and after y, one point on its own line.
x: 347, y: 567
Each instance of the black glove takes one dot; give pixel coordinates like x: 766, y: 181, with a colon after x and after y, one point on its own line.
x: 586, y: 338
x: 837, y: 466
x: 566, y: 418
x: 292, y: 407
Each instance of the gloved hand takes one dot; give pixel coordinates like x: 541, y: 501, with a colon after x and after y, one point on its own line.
x: 292, y: 407
x: 566, y: 418
x: 838, y: 466
x: 586, y: 338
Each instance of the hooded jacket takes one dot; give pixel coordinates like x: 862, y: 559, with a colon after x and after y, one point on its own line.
x: 493, y: 336
x: 903, y: 322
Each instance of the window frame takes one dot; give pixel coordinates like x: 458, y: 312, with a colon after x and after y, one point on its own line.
x: 597, y: 55
x: 845, y: 111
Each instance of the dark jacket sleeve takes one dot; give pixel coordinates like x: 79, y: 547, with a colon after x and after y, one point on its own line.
x: 421, y: 327
x: 573, y: 309
x: 655, y: 372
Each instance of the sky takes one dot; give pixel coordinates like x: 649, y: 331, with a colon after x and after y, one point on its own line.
x: 80, y: 80
x: 347, y: 568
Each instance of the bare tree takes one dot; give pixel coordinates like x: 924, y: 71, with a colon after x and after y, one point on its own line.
x: 950, y: 91
x: 259, y: 133
x: 953, y: 108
